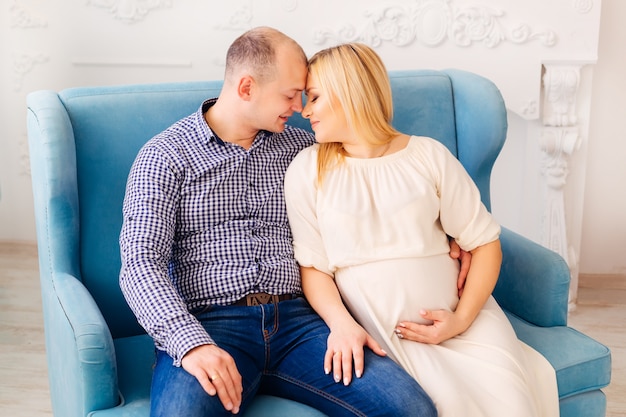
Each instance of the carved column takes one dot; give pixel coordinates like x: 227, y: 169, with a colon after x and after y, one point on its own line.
x: 560, y: 137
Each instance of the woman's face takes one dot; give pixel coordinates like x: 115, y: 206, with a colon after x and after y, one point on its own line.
x: 328, y: 123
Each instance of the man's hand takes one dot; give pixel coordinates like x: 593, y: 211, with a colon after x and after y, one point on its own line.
x: 465, y: 258
x: 217, y: 372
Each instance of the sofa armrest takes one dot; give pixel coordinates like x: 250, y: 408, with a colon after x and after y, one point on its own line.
x: 534, y: 281
x: 80, y: 351
x: 81, y: 348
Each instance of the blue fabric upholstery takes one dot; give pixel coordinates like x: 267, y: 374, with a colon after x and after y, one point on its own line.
x: 82, y: 144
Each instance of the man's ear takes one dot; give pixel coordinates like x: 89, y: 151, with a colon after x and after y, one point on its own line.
x: 246, y: 87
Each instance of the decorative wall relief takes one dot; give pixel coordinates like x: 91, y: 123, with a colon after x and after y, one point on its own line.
x: 240, y: 19
x: 559, y: 139
x: 23, y: 18
x: 23, y: 63
x: 287, y: 5
x: 529, y: 109
x: 583, y: 6
x: 431, y: 22
x: 24, y: 157
x: 130, y: 11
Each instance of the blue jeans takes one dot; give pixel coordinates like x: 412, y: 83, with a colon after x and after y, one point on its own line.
x: 279, y: 350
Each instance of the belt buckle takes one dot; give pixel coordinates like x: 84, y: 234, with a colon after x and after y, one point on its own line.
x: 261, y: 298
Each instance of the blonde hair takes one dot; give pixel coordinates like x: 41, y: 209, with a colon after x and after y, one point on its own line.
x: 354, y: 76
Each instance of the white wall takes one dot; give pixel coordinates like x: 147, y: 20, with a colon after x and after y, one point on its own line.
x: 55, y: 44
x: 604, y: 225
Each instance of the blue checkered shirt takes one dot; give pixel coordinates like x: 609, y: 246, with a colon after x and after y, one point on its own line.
x: 205, y: 223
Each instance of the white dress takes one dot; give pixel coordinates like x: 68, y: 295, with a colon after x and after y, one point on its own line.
x: 380, y: 227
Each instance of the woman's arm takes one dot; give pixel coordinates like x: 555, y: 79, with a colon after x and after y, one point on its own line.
x: 481, y: 280
x: 347, y: 337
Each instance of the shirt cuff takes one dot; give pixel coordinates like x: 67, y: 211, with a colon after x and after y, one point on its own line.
x: 187, y: 338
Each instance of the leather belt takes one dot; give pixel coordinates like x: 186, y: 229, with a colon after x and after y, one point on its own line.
x: 259, y: 298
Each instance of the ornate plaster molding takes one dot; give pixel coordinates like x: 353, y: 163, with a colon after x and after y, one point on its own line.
x: 560, y: 138
x: 432, y: 22
x: 130, y: 11
x: 583, y: 6
x: 24, y: 157
x: 530, y: 109
x: 557, y: 144
x: 287, y: 5
x: 23, y: 18
x: 23, y: 63
x: 240, y: 19
x: 560, y: 90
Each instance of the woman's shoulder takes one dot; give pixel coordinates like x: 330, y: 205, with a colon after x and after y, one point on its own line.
x: 428, y: 147
x: 306, y: 155
x: 305, y: 160
x: 427, y: 143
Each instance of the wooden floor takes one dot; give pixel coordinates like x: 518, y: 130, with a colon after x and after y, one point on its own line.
x: 601, y: 314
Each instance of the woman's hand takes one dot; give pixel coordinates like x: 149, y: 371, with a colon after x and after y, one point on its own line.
x: 481, y: 280
x: 345, y: 343
x: 445, y: 325
x: 345, y: 350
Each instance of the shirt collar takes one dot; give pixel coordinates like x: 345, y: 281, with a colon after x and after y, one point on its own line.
x: 212, y: 136
x: 204, y: 126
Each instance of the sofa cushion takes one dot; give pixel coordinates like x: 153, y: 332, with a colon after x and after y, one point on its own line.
x: 581, y: 363
x: 135, y: 358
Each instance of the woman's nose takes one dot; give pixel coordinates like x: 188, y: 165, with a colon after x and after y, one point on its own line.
x: 306, y: 111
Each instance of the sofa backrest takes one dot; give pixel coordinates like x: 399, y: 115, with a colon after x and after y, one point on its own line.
x: 110, y: 124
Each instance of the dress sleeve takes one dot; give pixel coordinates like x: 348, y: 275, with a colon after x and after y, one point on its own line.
x: 462, y: 213
x: 301, y: 198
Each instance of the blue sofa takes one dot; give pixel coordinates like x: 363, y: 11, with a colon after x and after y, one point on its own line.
x: 82, y: 144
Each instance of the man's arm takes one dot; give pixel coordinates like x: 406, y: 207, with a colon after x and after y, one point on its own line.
x: 146, y: 238
x: 465, y: 258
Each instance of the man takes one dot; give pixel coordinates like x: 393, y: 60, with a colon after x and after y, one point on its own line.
x: 207, y: 261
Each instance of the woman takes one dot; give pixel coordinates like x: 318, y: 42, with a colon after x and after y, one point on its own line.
x: 371, y: 209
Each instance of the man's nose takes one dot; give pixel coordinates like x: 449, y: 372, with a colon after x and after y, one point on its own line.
x: 297, y: 104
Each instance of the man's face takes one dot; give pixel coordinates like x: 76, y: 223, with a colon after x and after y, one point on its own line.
x: 278, y: 99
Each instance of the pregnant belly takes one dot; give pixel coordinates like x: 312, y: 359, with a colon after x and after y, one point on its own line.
x: 397, y: 289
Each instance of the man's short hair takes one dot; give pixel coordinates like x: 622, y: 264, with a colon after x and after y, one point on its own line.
x: 255, y: 51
